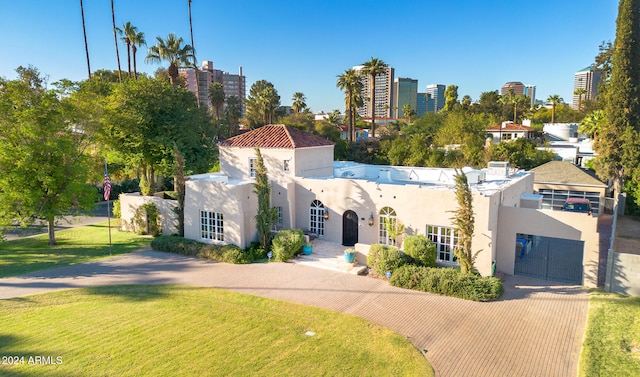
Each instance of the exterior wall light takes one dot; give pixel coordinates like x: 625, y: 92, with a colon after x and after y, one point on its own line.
x: 326, y: 214
x: 371, y: 220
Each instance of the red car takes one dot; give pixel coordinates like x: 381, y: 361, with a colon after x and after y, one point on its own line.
x: 577, y: 205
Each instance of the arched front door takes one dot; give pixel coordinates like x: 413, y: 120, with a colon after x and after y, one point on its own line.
x: 349, y: 228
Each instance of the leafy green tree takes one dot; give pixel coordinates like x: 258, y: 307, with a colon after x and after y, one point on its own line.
x: 618, y: 146
x: 299, y: 103
x: 172, y: 51
x: 145, y: 118
x: 489, y: 103
x: 267, y: 215
x: 352, y: 86
x: 554, y: 99
x: 450, y: 97
x: 42, y: 156
x: 303, y: 121
x: 467, y: 130
x: 374, y: 68
x: 233, y: 112
x: 464, y: 221
x: 217, y: 98
x: 521, y: 153
x: 262, y: 102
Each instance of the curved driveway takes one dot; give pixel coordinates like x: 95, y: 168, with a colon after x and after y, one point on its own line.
x: 535, y: 329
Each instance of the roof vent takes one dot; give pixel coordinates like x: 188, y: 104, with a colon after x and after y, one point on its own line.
x: 498, y: 169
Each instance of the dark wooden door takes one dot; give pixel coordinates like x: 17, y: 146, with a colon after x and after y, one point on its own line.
x: 349, y: 228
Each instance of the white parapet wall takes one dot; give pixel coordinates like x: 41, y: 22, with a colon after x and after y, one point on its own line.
x: 129, y: 202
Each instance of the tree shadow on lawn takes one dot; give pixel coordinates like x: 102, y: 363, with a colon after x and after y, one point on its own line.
x: 32, y: 363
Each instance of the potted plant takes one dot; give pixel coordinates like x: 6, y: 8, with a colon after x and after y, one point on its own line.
x: 307, y: 248
x: 350, y: 255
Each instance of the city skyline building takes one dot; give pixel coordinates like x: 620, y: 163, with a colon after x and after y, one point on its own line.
x: 435, y: 97
x: 383, y: 96
x: 421, y: 104
x: 405, y: 93
x: 516, y: 86
x: 530, y: 91
x: 232, y: 84
x: 587, y: 79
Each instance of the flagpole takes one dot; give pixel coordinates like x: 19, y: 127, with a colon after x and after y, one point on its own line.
x: 108, y: 197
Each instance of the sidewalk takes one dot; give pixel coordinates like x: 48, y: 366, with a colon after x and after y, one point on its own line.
x: 536, y: 329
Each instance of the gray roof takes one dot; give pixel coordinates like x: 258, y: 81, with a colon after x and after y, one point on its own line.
x: 563, y: 172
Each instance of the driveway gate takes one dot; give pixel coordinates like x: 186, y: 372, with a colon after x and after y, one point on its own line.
x: 548, y: 258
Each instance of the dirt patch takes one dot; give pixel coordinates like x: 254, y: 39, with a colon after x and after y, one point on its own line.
x: 627, y: 235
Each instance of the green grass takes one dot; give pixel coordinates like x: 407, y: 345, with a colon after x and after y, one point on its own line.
x: 612, y: 340
x: 75, y: 245
x: 185, y: 331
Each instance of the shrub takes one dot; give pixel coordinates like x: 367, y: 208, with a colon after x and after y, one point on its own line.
x: 421, y: 250
x: 182, y: 246
x: 286, y: 243
x: 383, y: 258
x: 146, y: 220
x: 449, y: 282
x: 256, y: 251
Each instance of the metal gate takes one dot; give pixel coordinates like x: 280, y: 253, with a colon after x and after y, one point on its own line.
x: 549, y: 258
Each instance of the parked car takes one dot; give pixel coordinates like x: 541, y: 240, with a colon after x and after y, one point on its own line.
x: 577, y: 205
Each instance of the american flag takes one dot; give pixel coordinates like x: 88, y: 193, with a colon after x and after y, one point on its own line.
x: 107, y: 184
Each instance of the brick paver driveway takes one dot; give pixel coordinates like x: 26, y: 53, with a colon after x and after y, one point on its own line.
x: 536, y: 328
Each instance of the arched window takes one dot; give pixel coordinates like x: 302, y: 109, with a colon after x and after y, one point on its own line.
x: 316, y: 218
x: 388, y: 219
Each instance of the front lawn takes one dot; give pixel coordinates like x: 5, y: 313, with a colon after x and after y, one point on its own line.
x: 75, y: 245
x: 612, y: 340
x: 185, y: 331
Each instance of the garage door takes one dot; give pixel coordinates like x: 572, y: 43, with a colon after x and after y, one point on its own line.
x: 548, y: 258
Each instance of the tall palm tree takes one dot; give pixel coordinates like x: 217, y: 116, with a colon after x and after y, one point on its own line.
x: 350, y: 82
x: 86, y: 45
x: 216, y: 97
x: 299, y: 103
x: 579, y: 92
x: 374, y: 68
x: 127, y: 32
x: 115, y: 40
x: 233, y: 112
x: 172, y: 51
x: 554, y: 99
x: 137, y: 40
x: 195, y: 64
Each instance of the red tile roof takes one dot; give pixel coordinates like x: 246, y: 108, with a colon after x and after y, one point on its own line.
x: 511, y: 127
x: 276, y: 136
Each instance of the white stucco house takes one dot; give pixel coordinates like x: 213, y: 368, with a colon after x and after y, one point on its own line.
x: 348, y: 202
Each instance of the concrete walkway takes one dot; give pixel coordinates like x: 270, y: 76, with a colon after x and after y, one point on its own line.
x: 536, y: 329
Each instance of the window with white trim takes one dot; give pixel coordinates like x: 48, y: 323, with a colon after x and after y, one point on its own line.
x: 211, y: 226
x: 388, y: 218
x: 252, y: 167
x: 445, y: 239
x: 316, y: 218
x: 280, y: 220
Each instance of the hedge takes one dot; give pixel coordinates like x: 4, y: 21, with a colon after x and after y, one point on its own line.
x: 420, y: 250
x: 286, y: 244
x: 448, y: 281
x: 383, y: 258
x: 183, y: 246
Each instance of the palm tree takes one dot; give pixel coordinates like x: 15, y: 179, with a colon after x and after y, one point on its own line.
x: 593, y: 123
x: 216, y: 97
x: 195, y: 64
x: 171, y: 50
x: 115, y: 40
x: 299, y: 103
x: 407, y: 112
x: 579, y: 92
x: 352, y: 85
x: 86, y: 45
x: 374, y: 68
x: 127, y: 32
x: 554, y: 99
x: 137, y: 39
x: 233, y: 112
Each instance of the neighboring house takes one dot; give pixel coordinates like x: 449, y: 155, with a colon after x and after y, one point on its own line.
x: 557, y: 181
x: 564, y: 140
x: 349, y: 203
x: 511, y: 131
x: 360, y: 132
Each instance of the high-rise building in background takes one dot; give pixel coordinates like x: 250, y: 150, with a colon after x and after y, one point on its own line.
x: 435, y: 97
x: 530, y: 91
x: 232, y: 84
x: 383, y: 96
x: 516, y: 86
x: 587, y: 79
x: 421, y: 104
x: 405, y: 93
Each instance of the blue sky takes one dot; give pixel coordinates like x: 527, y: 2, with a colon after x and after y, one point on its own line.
x: 303, y: 45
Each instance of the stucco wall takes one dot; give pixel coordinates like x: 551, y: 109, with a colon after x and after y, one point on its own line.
x: 547, y: 223
x: 129, y: 202
x: 237, y: 203
x: 303, y: 162
x: 625, y: 274
x: 416, y: 207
